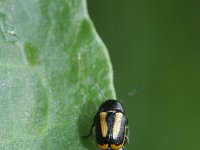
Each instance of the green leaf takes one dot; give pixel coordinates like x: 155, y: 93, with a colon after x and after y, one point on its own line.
x: 49, y: 53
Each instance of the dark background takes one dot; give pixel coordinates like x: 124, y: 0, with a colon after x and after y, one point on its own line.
x: 156, y: 43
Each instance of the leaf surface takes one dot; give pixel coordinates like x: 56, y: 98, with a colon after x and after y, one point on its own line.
x: 49, y: 54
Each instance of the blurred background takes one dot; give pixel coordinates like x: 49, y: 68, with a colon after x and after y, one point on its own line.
x: 156, y: 43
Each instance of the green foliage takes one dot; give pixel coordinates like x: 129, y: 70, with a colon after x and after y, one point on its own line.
x: 49, y: 51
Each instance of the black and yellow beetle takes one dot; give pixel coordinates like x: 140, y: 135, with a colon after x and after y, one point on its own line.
x: 111, y: 124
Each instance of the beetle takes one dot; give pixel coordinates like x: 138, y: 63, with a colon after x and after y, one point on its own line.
x: 111, y: 124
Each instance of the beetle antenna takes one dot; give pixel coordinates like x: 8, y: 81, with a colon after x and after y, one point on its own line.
x: 98, y: 89
x: 134, y: 91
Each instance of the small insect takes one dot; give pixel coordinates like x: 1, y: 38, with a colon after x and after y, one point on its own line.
x: 111, y: 124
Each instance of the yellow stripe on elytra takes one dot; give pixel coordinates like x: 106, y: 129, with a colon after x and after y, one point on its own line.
x: 117, y: 147
x: 104, y: 126
x: 103, y: 147
x: 117, y: 125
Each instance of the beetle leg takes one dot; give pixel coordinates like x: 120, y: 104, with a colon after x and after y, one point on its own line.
x: 127, y: 139
x: 90, y: 133
x: 93, y: 125
x: 126, y: 136
x: 127, y: 133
